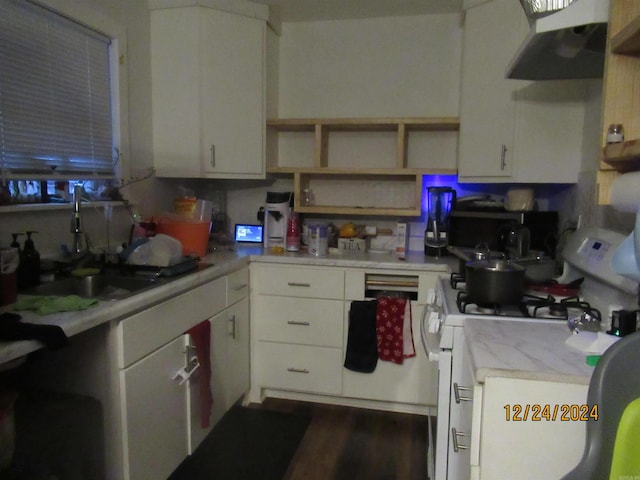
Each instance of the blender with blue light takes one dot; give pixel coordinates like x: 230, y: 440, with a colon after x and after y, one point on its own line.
x: 440, y: 201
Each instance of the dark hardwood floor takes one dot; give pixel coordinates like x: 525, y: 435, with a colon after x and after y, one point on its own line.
x: 344, y: 443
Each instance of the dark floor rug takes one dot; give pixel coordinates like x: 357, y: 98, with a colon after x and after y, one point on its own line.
x: 246, y: 444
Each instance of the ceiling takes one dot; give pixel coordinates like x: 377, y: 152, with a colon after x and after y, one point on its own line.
x: 309, y: 10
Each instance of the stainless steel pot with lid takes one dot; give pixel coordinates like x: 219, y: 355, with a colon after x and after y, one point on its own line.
x: 494, y: 282
x: 465, y: 254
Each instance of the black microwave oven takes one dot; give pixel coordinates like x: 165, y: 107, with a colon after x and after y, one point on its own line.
x: 471, y: 228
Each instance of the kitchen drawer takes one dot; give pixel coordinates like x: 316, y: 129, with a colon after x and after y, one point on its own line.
x: 306, y: 282
x: 299, y: 368
x: 148, y: 330
x: 308, y: 321
x: 237, y: 286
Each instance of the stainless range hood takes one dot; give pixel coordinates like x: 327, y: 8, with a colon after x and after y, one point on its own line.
x: 568, y: 43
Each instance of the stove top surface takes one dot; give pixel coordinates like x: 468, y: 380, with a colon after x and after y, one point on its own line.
x: 586, y: 260
x: 532, y: 305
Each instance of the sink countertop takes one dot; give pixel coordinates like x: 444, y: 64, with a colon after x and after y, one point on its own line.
x: 224, y: 261
x: 525, y: 350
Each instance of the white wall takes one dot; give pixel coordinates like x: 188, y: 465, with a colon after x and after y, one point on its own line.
x: 379, y: 67
x: 395, y: 66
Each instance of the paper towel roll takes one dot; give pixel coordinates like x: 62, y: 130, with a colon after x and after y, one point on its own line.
x: 625, y: 192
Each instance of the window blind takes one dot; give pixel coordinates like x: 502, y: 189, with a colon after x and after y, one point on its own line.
x: 55, y: 105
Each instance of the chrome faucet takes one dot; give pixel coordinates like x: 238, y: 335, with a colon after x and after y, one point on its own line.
x: 76, y: 221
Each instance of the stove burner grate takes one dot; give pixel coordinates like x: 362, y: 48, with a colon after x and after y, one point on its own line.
x: 560, y: 309
x: 468, y: 305
x: 456, y: 279
x: 530, y: 306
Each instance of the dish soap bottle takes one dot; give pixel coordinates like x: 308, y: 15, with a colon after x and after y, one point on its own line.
x: 15, y: 243
x: 29, y: 269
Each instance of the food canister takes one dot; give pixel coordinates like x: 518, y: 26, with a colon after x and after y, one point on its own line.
x: 318, y: 239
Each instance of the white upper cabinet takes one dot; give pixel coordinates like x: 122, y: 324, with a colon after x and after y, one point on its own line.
x: 208, y: 93
x: 513, y: 130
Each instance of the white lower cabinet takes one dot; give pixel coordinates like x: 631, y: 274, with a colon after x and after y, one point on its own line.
x: 156, y: 428
x: 299, y: 318
x: 461, y: 409
x: 229, y: 357
x: 159, y: 402
x: 238, y: 368
x: 302, y: 368
x: 413, y: 382
x: 509, y: 446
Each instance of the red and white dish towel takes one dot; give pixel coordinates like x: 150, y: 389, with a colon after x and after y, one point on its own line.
x: 393, y: 329
x: 201, y: 337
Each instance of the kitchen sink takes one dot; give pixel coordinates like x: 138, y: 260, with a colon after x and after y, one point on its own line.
x: 113, y: 284
x: 101, y: 287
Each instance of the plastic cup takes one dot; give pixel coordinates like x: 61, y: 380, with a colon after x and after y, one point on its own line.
x: 203, y: 210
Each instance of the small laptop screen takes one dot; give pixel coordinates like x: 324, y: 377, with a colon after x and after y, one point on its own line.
x: 248, y: 233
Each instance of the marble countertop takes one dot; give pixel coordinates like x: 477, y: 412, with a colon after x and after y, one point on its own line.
x: 525, y: 350
x: 224, y: 260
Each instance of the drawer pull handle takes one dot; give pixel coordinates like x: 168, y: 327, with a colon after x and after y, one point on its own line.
x: 461, y: 398
x: 297, y: 370
x: 454, y: 437
x: 240, y: 287
x: 294, y: 322
x: 232, y: 321
x: 298, y: 284
x: 391, y: 283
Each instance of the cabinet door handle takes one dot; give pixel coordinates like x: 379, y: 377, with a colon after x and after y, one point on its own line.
x: 454, y: 437
x: 190, y: 368
x: 232, y: 321
x: 240, y: 287
x: 298, y: 284
x: 213, y: 155
x: 297, y: 370
x: 503, y: 157
x: 294, y: 322
x: 461, y: 398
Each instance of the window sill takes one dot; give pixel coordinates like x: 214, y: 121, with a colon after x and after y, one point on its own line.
x: 38, y: 207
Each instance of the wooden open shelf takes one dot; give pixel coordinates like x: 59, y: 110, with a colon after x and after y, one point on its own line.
x: 621, y: 98
x: 623, y: 157
x: 367, y: 124
x: 397, y: 174
x: 360, y: 203
x: 627, y: 41
x: 323, y: 126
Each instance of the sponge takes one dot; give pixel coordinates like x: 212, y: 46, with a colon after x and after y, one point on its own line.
x: 85, y: 272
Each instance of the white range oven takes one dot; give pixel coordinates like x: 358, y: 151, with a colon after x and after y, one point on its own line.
x: 587, y: 255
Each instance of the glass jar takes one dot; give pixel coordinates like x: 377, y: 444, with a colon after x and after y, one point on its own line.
x: 615, y: 133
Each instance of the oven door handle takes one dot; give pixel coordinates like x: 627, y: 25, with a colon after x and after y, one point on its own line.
x: 430, y: 341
